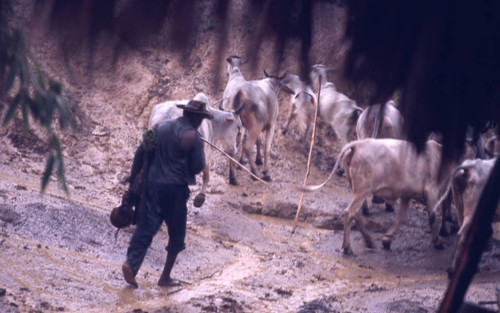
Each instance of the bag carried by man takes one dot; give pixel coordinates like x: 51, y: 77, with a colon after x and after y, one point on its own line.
x: 124, y: 215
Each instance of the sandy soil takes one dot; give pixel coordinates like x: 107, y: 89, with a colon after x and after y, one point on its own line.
x: 60, y: 253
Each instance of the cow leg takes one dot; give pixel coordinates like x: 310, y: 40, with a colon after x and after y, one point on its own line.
x: 366, y: 234
x: 258, y: 156
x: 248, y: 144
x: 243, y: 135
x: 305, y: 133
x: 389, y: 207
x: 232, y: 178
x: 459, y: 240
x: 267, y: 151
x: 364, y: 209
x: 438, y: 244
x: 445, y: 209
x: 290, y: 117
x: 350, y: 214
x: 401, y: 215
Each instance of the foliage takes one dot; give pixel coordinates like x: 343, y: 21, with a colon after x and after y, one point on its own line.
x: 32, y: 92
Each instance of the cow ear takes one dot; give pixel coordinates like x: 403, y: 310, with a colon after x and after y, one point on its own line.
x: 230, y: 119
x: 286, y: 89
x: 461, y: 178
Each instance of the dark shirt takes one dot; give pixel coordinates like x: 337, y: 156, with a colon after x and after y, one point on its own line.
x: 178, y: 157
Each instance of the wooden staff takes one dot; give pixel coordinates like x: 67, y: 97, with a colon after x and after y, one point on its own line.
x: 308, y: 158
x: 232, y: 159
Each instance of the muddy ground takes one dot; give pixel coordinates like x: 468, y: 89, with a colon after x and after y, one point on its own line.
x: 59, y: 252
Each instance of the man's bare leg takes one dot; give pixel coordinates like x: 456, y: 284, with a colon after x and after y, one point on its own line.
x: 165, y: 279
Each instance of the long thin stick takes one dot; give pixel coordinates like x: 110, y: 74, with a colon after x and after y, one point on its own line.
x: 308, y: 158
x: 232, y: 159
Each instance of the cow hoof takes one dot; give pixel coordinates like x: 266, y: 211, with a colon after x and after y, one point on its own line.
x: 258, y: 161
x: 443, y: 232
x: 439, y: 245
x: 199, y: 200
x: 340, y: 172
x: 389, y: 207
x: 283, y: 131
x: 232, y: 181
x: 453, y: 230
x: 266, y: 177
x: 369, y: 244
x: 386, y: 243
x: 364, y: 210
x: 377, y: 200
x: 242, y: 161
x: 347, y: 251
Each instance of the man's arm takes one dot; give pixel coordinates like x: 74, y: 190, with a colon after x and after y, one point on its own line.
x: 191, y: 143
x: 137, y: 162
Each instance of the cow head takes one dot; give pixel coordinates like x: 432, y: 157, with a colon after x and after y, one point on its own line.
x: 278, y: 81
x: 234, y: 62
x: 319, y: 71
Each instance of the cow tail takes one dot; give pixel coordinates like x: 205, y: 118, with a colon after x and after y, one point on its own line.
x: 236, y: 100
x: 447, y: 190
x: 378, y: 120
x: 347, y: 151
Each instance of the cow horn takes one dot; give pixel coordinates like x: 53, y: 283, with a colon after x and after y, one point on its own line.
x: 265, y: 73
x: 238, y: 110
x: 221, y: 107
x: 282, y: 77
x: 220, y: 104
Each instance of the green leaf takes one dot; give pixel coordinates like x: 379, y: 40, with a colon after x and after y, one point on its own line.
x: 60, y: 171
x: 14, y: 68
x: 34, y: 107
x: 49, y: 111
x: 56, y: 151
x: 48, y: 171
x: 24, y: 109
x: 64, y: 112
x: 12, y: 109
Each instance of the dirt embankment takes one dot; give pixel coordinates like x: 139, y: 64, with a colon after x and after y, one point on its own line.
x: 59, y: 253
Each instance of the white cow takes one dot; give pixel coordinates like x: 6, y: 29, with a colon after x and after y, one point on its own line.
x: 335, y: 108
x: 302, y: 105
x: 467, y: 183
x: 390, y: 169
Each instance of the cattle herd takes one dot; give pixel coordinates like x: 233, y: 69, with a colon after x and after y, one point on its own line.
x: 375, y: 157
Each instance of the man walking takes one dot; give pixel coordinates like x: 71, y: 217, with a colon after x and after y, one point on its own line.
x: 178, y: 157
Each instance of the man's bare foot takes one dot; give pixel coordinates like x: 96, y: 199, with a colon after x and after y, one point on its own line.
x: 168, y: 282
x: 129, y: 275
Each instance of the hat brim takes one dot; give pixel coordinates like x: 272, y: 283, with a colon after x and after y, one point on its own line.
x: 207, y: 114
